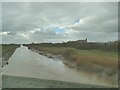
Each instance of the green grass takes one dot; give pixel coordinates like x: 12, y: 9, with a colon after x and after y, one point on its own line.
x: 113, y: 55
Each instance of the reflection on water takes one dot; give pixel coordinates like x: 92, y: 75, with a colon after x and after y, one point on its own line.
x: 25, y: 62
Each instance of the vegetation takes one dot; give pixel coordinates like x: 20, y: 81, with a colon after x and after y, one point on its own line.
x: 92, y: 60
x: 7, y: 48
x: 7, y: 51
x: 82, y: 45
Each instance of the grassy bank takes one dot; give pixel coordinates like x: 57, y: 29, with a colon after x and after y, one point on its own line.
x: 7, y: 51
x: 95, y: 61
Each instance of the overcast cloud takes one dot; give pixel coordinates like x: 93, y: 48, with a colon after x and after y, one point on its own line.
x: 57, y: 22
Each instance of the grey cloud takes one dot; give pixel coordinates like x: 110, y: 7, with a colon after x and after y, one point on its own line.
x: 23, y: 17
x: 45, y: 32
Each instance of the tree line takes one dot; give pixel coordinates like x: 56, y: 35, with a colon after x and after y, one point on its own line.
x: 105, y: 46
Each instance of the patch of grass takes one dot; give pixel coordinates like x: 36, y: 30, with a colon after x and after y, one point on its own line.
x: 113, y: 55
x: 7, y: 51
x: 88, y: 59
x: 7, y: 48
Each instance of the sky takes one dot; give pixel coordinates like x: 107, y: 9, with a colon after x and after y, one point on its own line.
x: 26, y: 22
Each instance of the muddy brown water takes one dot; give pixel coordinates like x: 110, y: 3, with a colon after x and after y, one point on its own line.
x: 25, y: 62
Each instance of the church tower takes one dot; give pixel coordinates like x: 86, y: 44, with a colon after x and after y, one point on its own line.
x: 86, y: 40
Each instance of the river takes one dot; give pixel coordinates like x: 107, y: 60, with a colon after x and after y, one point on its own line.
x: 27, y: 63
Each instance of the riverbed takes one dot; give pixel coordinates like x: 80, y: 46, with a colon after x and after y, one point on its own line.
x: 27, y: 63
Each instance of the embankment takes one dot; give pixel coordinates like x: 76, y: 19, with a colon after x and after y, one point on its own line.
x: 101, y: 63
x: 7, y: 51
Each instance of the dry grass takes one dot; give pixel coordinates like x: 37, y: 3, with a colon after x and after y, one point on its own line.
x: 54, y: 51
x: 86, y: 58
x: 8, y: 48
x: 89, y: 60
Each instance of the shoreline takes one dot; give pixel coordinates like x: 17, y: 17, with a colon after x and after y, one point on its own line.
x: 7, y: 55
x: 99, y: 71
x: 5, y: 58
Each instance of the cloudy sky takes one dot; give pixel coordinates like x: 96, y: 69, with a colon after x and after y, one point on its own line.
x: 26, y: 22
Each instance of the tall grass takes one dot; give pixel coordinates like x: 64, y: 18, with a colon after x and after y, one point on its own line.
x: 89, y: 60
x: 95, y: 59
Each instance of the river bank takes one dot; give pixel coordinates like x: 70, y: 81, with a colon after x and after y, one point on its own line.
x: 7, y: 51
x: 106, y: 72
